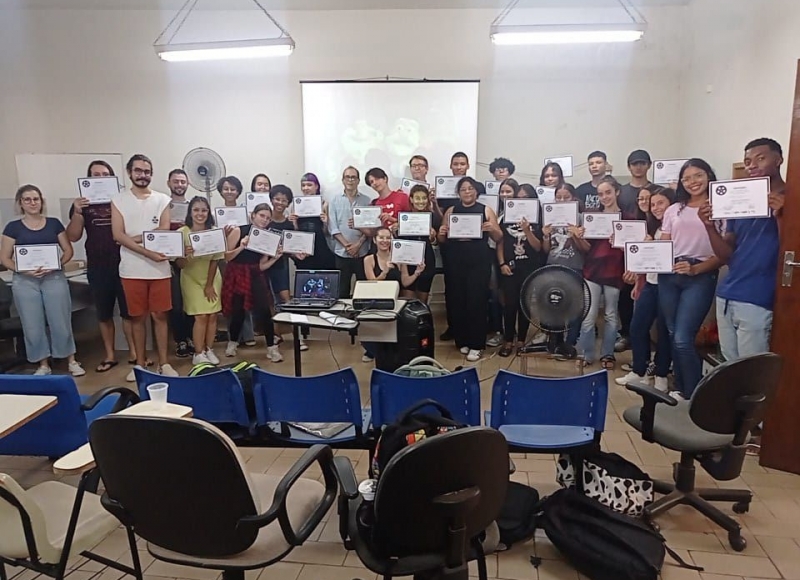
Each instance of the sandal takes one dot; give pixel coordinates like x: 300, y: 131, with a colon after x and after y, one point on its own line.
x: 506, y: 350
x: 147, y: 363
x: 608, y: 362
x: 106, y: 366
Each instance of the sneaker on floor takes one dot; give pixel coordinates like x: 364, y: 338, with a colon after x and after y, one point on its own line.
x: 76, y: 370
x: 622, y: 344
x: 249, y: 343
x: 131, y: 376
x: 303, y: 345
x: 167, y: 371
x: 495, y: 340
x: 677, y: 395
x: 626, y: 367
x: 190, y: 344
x: 201, y: 358
x: 230, y: 350
x: 631, y: 377
x: 212, y: 356
x: 365, y: 358
x: 661, y: 384
x: 274, y: 354
x: 446, y: 335
x: 42, y: 371
x: 473, y: 355
x: 183, y: 350
x: 464, y: 350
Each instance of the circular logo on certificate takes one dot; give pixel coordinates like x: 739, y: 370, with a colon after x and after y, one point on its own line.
x: 220, y: 212
x: 86, y: 183
x: 151, y: 237
x: 23, y: 251
x: 406, y: 182
x: 196, y: 238
x: 397, y: 245
x: 540, y: 191
x: 298, y: 201
x: 721, y: 190
x: 634, y: 249
x: 357, y: 212
x: 510, y: 204
x: 455, y: 219
x: 548, y: 208
x: 588, y: 219
x: 256, y: 232
x: 546, y: 161
x: 404, y: 218
x: 440, y: 181
x: 251, y: 197
x: 659, y: 165
x: 288, y: 235
x: 618, y: 227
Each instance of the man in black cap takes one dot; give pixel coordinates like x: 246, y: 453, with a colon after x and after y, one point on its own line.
x: 639, y: 164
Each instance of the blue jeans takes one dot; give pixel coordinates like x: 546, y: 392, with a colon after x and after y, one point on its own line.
x: 586, y: 342
x: 43, y: 302
x: 744, y: 329
x: 645, y: 312
x: 685, y: 302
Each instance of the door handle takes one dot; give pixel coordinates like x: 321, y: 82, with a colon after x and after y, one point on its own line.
x: 788, y: 268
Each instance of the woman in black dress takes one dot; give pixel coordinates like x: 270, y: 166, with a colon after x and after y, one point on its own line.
x: 323, y: 258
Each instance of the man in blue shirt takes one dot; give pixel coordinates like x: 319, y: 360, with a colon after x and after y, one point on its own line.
x: 349, y: 244
x: 750, y: 247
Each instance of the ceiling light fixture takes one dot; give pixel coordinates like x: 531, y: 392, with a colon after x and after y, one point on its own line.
x: 283, y: 45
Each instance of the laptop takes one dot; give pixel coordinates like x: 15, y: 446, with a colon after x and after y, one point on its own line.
x: 314, y: 290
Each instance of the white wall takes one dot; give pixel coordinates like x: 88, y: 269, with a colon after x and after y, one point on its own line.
x: 78, y: 81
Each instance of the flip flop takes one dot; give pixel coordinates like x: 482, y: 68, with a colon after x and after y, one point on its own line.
x: 106, y: 366
x: 147, y: 363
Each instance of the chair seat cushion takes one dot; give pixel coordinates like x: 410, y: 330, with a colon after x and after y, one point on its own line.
x: 270, y: 545
x: 674, y: 429
x: 545, y: 437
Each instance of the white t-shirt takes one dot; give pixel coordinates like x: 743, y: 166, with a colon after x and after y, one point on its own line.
x: 141, y: 215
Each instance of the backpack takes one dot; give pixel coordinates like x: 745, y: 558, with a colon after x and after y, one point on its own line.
x: 517, y: 519
x: 422, y: 367
x: 411, y: 426
x: 610, y: 479
x: 242, y: 370
x: 600, y: 543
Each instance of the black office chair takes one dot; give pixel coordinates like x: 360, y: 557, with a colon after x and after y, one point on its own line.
x: 181, y: 485
x: 432, y: 499
x: 11, y: 329
x: 712, y: 428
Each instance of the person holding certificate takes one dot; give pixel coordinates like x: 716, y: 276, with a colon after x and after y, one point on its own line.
x: 686, y: 295
x: 350, y: 244
x: 421, y: 276
x: 471, y: 263
x: 260, y: 183
x: 102, y: 266
x: 390, y: 202
x: 201, y: 284
x: 245, y: 286
x: 179, y: 321
x: 41, y: 294
x: 323, y: 258
x: 587, y: 192
x: 502, y: 168
x: 552, y: 175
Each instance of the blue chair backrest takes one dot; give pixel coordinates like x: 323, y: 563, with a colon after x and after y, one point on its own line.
x: 392, y: 394
x: 331, y: 398
x: 573, y: 401
x: 55, y: 432
x: 216, y: 397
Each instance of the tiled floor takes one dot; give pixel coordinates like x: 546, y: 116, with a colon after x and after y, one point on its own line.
x: 772, y: 527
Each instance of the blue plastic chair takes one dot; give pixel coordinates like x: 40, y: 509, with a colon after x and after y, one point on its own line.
x: 64, y: 427
x: 549, y: 414
x: 216, y: 397
x: 459, y: 392
x: 330, y: 398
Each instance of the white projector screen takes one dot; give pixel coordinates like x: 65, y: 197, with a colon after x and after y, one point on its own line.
x: 383, y: 123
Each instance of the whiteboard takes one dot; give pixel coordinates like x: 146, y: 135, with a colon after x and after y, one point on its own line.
x: 56, y: 174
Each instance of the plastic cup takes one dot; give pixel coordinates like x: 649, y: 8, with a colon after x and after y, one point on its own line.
x: 367, y: 489
x: 158, y: 393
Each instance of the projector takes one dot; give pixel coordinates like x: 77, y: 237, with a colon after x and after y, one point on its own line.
x: 375, y: 295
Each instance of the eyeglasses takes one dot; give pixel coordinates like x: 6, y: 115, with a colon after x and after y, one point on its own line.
x: 351, y: 177
x: 31, y: 200
x: 137, y: 171
x: 418, y: 166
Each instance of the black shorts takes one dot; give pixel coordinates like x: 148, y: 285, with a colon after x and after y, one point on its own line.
x: 106, y: 290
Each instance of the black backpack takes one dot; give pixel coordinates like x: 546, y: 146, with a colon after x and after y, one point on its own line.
x: 600, y: 543
x: 243, y: 371
x: 517, y: 519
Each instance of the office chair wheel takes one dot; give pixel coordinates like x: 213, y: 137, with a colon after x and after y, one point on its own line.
x: 741, y: 507
x: 737, y: 542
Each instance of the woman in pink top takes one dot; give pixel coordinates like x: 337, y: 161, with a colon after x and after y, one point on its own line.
x: 686, y: 295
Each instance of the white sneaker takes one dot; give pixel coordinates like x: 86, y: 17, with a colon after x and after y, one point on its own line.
x: 131, y: 376
x: 168, y: 371
x: 201, y: 358
x: 662, y: 384
x: 212, y: 356
x: 249, y: 342
x: 632, y: 376
x: 303, y: 345
x: 42, y: 371
x: 474, y: 355
x: 230, y: 350
x: 464, y: 350
x: 274, y: 354
x: 495, y: 340
x: 76, y: 370
x: 677, y: 395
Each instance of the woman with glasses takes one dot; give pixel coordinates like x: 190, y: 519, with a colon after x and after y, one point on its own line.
x: 41, y: 296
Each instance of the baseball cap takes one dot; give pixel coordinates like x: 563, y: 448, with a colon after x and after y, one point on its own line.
x: 638, y: 156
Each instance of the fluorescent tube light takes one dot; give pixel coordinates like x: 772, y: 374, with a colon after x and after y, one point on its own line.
x: 567, y: 34
x: 226, y: 50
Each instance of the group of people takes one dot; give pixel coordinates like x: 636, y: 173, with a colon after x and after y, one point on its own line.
x: 483, y: 276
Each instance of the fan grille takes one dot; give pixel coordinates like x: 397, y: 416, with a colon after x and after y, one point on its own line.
x: 204, y: 168
x: 554, y: 297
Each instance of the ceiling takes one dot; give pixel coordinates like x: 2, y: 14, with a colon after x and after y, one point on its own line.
x: 322, y: 4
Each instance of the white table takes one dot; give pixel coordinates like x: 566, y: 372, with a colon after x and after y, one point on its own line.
x: 17, y: 410
x: 82, y: 460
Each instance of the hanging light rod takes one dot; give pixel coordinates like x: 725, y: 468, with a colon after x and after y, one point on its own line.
x: 225, y: 50
x: 566, y: 33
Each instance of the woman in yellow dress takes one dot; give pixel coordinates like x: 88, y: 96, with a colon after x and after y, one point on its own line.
x: 201, y: 283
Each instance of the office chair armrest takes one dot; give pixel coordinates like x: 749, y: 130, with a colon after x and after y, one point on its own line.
x: 346, y: 476
x: 127, y: 397
x: 650, y: 398
x: 321, y: 454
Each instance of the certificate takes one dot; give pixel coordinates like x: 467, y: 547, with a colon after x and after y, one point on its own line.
x: 667, y: 171
x: 599, y: 226
x: 492, y: 187
x: 546, y: 194
x: 98, y: 189
x: 178, y: 211
x: 235, y: 216
x: 447, y: 186
x: 164, y: 242
x: 308, y: 205
x: 32, y: 257
x: 414, y: 224
x: 564, y: 161
x: 406, y: 184
x: 254, y: 198
x: 264, y: 241
x: 298, y: 243
x: 408, y: 252
x: 208, y: 242
x: 649, y: 257
x: 492, y: 201
x: 518, y: 209
x: 743, y: 198
x: 561, y: 214
x: 367, y: 217
x: 465, y: 226
x: 629, y: 231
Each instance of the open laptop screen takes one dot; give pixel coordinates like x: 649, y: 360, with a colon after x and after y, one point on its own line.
x: 316, y: 284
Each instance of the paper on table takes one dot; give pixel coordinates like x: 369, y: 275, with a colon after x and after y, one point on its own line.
x: 298, y: 318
